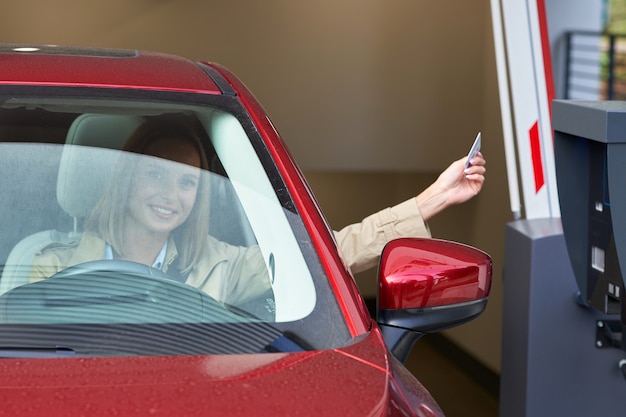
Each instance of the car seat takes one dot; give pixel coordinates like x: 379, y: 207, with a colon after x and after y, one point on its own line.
x: 83, y: 175
x: 78, y: 186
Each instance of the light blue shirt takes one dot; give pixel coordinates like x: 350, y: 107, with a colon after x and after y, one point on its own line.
x: 158, y: 262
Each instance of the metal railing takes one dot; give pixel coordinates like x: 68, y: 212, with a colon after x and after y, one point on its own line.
x: 595, y: 66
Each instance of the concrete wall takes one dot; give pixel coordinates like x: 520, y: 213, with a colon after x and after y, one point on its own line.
x: 373, y: 98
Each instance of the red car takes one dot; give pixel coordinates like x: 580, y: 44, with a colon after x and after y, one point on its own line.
x: 247, y: 309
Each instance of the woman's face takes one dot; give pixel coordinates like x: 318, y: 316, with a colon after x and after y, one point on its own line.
x: 164, y: 189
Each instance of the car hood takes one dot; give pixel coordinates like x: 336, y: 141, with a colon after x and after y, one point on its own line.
x: 356, y: 380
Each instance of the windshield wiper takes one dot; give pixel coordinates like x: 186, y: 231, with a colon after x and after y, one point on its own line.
x: 36, y: 352
x: 286, y: 342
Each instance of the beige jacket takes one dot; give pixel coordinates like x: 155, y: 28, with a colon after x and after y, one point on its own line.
x: 361, y: 243
x: 232, y: 275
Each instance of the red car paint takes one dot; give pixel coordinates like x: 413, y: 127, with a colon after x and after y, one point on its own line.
x: 450, y: 279
x: 67, y: 66
x: 352, y: 381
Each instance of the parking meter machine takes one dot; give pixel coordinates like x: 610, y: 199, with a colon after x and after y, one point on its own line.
x: 590, y: 156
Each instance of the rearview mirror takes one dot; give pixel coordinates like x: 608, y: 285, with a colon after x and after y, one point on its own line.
x: 428, y: 285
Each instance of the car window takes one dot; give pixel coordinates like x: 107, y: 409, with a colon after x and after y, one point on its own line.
x: 128, y: 212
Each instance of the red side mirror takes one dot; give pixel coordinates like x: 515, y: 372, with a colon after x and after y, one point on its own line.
x: 428, y: 285
x: 420, y: 273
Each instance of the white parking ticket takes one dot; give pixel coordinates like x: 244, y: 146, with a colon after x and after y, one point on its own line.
x: 473, y: 150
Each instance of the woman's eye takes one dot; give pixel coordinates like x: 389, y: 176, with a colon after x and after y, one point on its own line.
x: 189, y: 183
x: 154, y: 174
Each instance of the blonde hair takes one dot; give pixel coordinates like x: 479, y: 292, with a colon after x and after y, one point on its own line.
x: 107, y: 221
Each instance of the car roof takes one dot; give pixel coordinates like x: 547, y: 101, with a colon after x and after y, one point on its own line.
x: 102, y: 67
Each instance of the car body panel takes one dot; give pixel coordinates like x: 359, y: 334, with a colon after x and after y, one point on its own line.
x: 90, y: 67
x: 354, y: 380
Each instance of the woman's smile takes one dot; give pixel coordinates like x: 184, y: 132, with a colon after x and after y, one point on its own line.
x: 162, y: 210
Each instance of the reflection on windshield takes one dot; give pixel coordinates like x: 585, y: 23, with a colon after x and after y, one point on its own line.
x: 146, y: 209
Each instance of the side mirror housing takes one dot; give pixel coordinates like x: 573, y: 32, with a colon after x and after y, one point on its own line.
x: 428, y: 285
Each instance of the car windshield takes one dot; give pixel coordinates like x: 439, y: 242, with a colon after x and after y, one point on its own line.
x: 136, y: 226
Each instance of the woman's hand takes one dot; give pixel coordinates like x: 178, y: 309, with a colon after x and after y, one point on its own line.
x: 455, y: 185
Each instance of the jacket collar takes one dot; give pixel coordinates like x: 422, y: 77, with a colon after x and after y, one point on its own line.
x: 92, y: 247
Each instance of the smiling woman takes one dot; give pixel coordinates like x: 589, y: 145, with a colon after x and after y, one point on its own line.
x: 149, y: 198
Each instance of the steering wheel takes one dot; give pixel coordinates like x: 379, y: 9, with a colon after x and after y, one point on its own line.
x: 114, y: 266
x: 112, y: 291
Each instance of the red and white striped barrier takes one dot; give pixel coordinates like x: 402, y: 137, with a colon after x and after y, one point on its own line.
x: 526, y: 89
